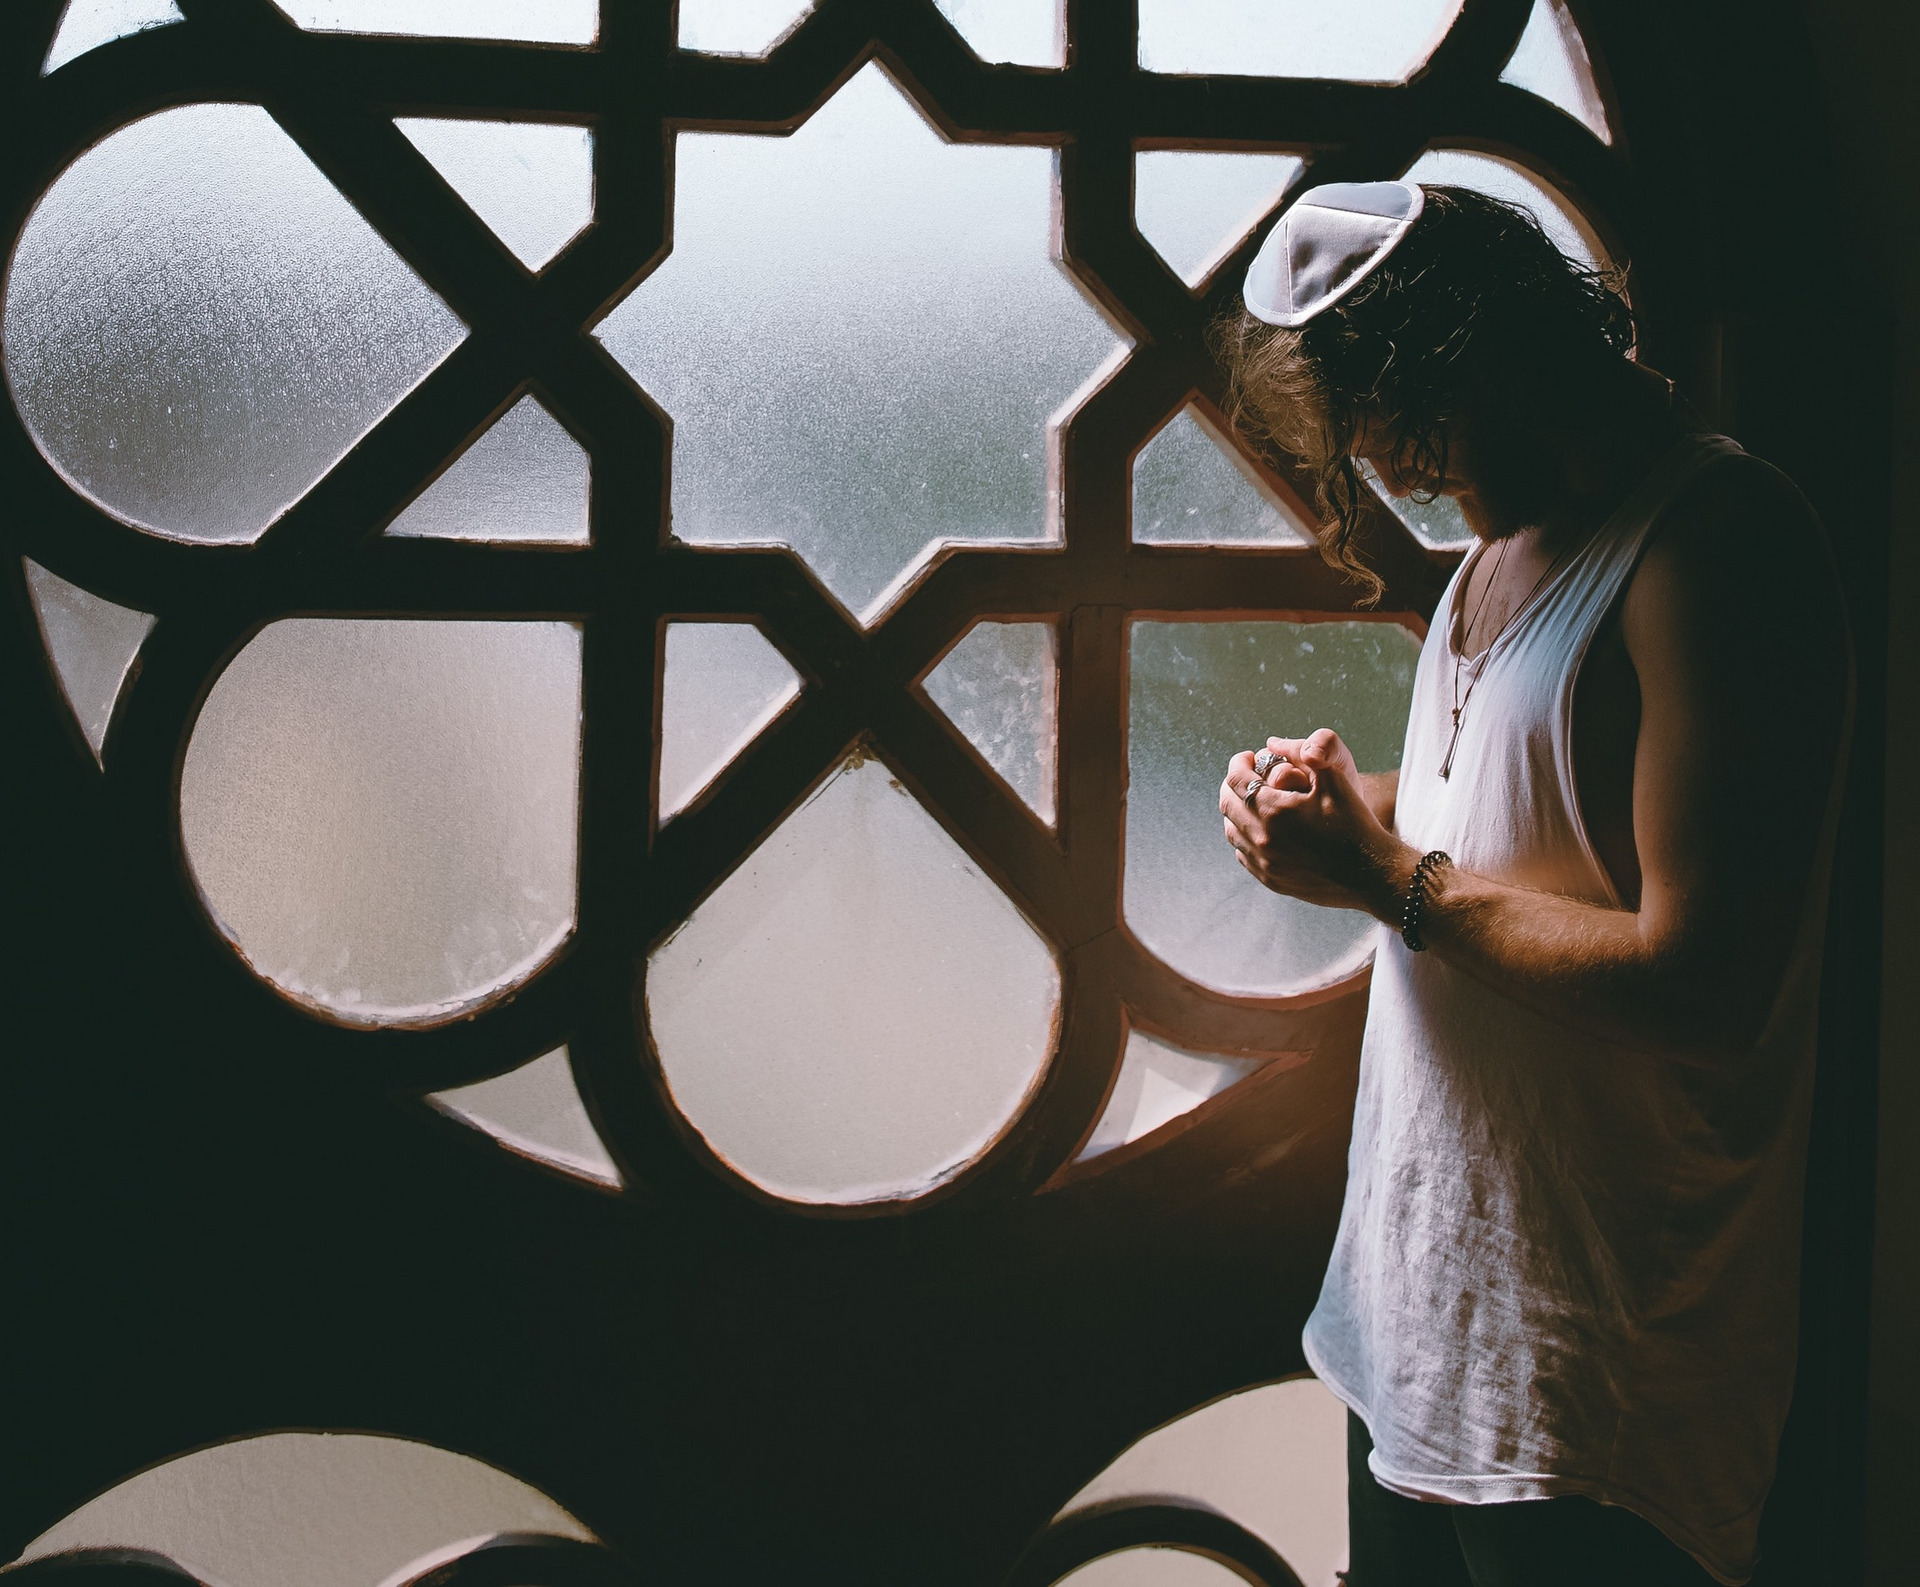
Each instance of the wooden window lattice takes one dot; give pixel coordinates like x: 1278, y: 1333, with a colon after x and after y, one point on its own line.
x: 337, y: 96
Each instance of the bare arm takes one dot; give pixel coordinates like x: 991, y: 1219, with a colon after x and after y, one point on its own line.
x: 1733, y: 624
x: 1381, y: 791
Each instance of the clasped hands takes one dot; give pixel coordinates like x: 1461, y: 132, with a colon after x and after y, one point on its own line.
x: 1309, y: 831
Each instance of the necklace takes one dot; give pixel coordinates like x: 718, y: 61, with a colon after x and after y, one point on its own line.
x: 1485, y: 654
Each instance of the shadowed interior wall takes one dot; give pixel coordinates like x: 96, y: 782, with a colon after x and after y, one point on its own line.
x: 1864, y: 49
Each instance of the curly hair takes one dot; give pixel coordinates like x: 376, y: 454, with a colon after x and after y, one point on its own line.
x: 1476, y: 311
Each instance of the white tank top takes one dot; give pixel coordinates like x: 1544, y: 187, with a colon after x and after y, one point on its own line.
x: 1563, y: 1265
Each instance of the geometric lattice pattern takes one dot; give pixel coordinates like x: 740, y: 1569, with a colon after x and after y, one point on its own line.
x: 327, y: 550
x: 664, y: 1356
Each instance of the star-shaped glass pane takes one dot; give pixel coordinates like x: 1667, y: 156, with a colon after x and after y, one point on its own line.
x: 862, y: 339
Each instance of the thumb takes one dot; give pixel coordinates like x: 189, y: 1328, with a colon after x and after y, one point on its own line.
x: 1320, y: 750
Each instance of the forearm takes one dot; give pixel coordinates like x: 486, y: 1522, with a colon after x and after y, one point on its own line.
x: 1600, y: 970
x: 1381, y: 790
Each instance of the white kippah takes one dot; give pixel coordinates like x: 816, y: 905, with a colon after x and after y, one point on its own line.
x: 1326, y: 244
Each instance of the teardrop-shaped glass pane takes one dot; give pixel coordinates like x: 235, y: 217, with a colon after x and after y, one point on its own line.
x: 1198, y: 693
x: 1272, y: 1458
x: 1551, y: 60
x: 1439, y: 523
x: 886, y: 388
x: 381, y: 813
x: 87, y: 24
x: 1195, y: 206
x: 1019, y: 32
x: 532, y: 182
x: 1157, y: 1083
x: 198, y: 326
x: 308, y: 1510
x: 91, y: 644
x: 525, y: 480
x: 535, y: 1110
x: 533, y: 21
x: 1000, y: 687
x: 1190, y: 487
x: 738, y: 27
x: 857, y: 1012
x: 1362, y: 41
x: 721, y: 685
x: 1571, y: 232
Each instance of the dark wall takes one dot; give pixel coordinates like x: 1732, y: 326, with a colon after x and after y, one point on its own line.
x: 1749, y: 124
x: 1864, y: 50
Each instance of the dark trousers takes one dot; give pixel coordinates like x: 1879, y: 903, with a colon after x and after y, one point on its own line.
x: 1566, y: 1542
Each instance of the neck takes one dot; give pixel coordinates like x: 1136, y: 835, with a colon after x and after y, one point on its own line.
x: 1551, y: 479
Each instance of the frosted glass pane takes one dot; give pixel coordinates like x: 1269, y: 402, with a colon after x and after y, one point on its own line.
x: 91, y: 645
x: 1366, y: 41
x: 537, y: 21
x: 856, y: 1013
x: 530, y: 181
x: 1191, y: 488
x: 87, y: 24
x: 1000, y: 686
x: 861, y: 337
x: 1551, y: 60
x: 1153, y: 1567
x: 1198, y: 693
x: 1022, y: 32
x: 198, y: 326
x: 1272, y: 1458
x: 1195, y: 206
x: 738, y: 27
x: 308, y: 1510
x: 1440, y: 522
x: 721, y: 685
x: 1498, y: 178
x: 526, y: 479
x: 1157, y: 1083
x: 381, y: 813
x: 535, y: 1110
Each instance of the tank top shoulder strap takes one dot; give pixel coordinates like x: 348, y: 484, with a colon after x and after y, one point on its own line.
x: 1594, y: 577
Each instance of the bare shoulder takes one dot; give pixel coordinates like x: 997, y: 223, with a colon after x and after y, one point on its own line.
x: 1742, y: 561
x: 1738, y: 581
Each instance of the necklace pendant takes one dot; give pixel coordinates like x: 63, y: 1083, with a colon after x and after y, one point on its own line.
x: 1453, y: 743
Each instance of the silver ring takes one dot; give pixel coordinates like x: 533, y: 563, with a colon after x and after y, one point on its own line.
x: 1252, y: 788
x: 1263, y: 762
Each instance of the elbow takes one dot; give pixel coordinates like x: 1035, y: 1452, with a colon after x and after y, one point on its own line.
x: 1714, y: 1015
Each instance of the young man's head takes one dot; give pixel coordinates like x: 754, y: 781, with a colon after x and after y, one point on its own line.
x: 1441, y: 369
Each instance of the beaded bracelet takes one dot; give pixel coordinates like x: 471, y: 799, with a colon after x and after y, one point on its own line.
x: 1416, y: 906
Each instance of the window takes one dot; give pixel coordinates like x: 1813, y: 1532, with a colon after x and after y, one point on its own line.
x: 684, y: 598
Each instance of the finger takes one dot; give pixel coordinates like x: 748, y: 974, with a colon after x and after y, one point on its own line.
x: 1289, y: 778
x: 1243, y: 821
x: 1240, y: 767
x: 1319, y: 748
x: 1250, y: 818
x: 1235, y: 793
x: 1247, y: 781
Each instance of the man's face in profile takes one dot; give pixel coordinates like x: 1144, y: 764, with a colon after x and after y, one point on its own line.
x: 1496, y: 473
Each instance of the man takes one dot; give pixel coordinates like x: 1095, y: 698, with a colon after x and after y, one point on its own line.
x: 1567, y: 1266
